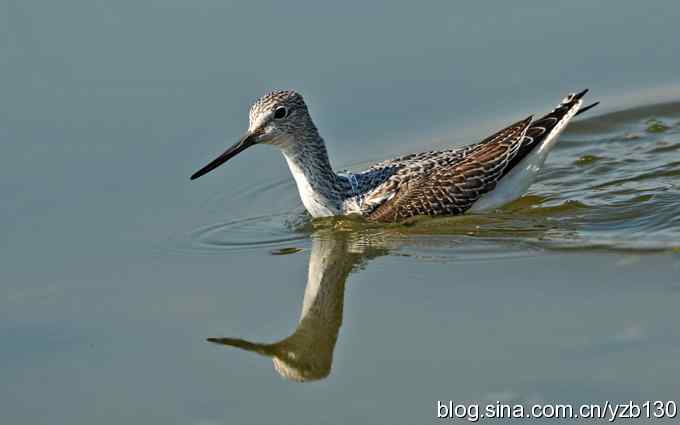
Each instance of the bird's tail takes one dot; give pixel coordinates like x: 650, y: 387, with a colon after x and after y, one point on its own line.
x: 545, y: 130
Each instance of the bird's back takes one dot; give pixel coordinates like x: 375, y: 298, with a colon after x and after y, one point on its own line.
x: 450, y: 181
x: 377, y: 184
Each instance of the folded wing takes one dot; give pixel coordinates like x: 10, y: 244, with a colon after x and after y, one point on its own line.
x: 452, y: 190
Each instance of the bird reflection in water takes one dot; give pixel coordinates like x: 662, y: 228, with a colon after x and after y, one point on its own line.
x: 307, y: 354
x: 341, y: 246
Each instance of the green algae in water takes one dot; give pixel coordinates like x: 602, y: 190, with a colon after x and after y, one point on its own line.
x: 656, y: 126
x: 587, y: 160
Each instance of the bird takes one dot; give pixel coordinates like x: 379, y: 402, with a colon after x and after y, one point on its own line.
x: 474, y: 178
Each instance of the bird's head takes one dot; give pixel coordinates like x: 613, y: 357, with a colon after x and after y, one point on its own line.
x: 278, y: 118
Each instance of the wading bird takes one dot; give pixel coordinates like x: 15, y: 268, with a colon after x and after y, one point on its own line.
x: 474, y: 178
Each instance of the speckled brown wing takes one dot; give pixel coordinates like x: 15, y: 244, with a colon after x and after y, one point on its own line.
x: 452, y: 190
x: 542, y: 127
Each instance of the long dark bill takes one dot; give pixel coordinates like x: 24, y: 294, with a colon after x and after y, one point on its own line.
x: 243, y: 144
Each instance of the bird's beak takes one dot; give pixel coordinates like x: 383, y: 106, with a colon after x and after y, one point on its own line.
x: 248, y: 140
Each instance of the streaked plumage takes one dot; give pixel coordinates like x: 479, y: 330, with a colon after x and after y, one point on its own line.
x: 476, y: 177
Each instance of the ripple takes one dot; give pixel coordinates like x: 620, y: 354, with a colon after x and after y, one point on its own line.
x: 273, y: 233
x: 286, y: 251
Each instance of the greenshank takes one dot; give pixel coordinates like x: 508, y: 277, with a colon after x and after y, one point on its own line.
x: 474, y: 178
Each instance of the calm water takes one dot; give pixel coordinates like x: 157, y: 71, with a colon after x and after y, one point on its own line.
x: 117, y: 268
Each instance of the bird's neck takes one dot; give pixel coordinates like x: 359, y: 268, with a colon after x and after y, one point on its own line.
x: 321, y: 190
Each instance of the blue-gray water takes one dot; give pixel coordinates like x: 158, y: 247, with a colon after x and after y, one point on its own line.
x: 116, y: 267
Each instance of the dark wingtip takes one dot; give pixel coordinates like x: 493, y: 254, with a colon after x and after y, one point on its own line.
x: 581, y: 94
x: 587, y: 108
x: 215, y: 340
x: 201, y: 172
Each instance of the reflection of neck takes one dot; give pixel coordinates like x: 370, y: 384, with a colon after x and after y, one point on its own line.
x: 307, y: 354
x: 322, y: 191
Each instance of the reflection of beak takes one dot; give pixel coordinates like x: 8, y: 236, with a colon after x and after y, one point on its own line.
x: 264, y: 349
x: 246, y: 141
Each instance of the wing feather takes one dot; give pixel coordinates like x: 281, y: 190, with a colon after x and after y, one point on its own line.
x: 453, y: 189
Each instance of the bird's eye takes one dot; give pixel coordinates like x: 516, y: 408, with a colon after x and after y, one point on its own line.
x: 280, y: 112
